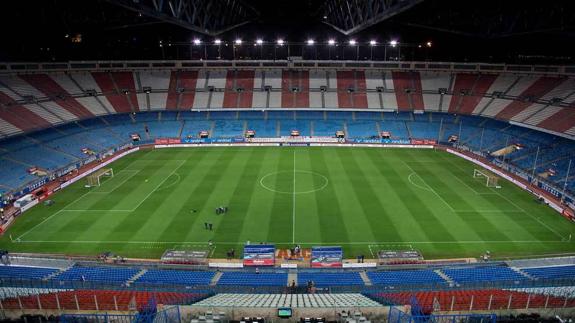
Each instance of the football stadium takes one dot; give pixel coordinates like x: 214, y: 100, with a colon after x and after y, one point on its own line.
x: 287, y: 161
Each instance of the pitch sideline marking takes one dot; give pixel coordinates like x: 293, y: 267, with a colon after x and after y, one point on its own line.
x: 373, y: 243
x: 293, y: 201
x: 431, y: 188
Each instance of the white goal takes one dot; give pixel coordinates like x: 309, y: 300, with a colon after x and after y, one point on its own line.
x: 94, y: 179
x: 491, y: 180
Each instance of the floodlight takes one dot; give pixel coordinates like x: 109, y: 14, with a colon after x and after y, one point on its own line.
x: 372, y: 42
x: 352, y: 42
x: 310, y: 42
x: 331, y: 42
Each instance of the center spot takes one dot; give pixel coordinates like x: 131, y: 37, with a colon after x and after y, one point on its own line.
x: 283, y: 182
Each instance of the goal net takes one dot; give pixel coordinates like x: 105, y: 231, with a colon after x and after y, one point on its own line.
x: 491, y: 180
x: 94, y: 179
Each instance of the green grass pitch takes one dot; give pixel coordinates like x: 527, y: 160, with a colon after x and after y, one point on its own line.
x: 364, y: 199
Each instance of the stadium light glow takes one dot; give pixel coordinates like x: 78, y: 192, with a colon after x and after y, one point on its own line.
x: 217, y: 41
x: 372, y: 42
x: 259, y: 42
x: 352, y: 42
x: 310, y: 42
x: 197, y: 41
x: 331, y: 42
x: 428, y: 44
x: 280, y: 42
x: 393, y: 43
x: 238, y: 41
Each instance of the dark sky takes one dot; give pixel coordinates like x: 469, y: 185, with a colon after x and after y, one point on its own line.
x: 108, y: 32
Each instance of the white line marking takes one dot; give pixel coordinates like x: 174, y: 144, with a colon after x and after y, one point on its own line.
x: 83, y: 195
x: 415, y: 184
x: 262, y: 180
x: 431, y: 188
x: 158, y: 186
x: 134, y: 172
x: 373, y: 243
x: 51, y: 216
x: 293, y: 200
x: 517, y: 206
x: 172, y: 183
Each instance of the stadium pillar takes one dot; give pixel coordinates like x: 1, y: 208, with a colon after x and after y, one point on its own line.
x: 58, y: 302
x: 471, y: 302
x: 1, y: 306
x: 566, y: 178
x: 452, y: 302
x: 96, y: 302
x: 76, y: 300
x: 20, y: 302
x: 528, y: 301
x: 534, y: 165
x: 115, y: 303
x: 509, y: 302
x: 565, y: 303
x: 490, y: 300
x: 39, y: 302
x: 546, y: 300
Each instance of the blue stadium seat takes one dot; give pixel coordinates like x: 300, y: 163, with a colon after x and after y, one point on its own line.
x: 253, y: 279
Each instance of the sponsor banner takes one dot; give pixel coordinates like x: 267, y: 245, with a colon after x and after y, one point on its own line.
x: 359, y: 265
x: 380, y: 141
x: 259, y: 255
x: 225, y: 265
x: 295, y: 144
x: 423, y: 142
x: 167, y: 141
x: 322, y: 257
x: 288, y: 266
x: 28, y: 206
x: 111, y: 160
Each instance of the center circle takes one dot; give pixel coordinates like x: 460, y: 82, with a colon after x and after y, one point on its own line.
x: 294, y: 182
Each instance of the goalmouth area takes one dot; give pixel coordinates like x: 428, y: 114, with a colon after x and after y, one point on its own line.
x: 364, y: 199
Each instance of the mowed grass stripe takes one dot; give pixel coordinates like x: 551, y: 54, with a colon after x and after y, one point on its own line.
x: 213, y: 176
x: 475, y: 222
x: 429, y: 216
x: 405, y: 223
x: 311, y: 206
x: 514, y: 197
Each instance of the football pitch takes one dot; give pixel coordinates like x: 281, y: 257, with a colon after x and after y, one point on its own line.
x: 364, y: 199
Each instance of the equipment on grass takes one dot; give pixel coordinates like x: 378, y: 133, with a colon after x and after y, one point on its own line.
x: 94, y: 179
x: 491, y: 180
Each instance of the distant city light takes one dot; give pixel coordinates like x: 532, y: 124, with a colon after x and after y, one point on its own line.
x: 310, y: 42
x: 238, y: 42
x: 259, y: 42
x: 352, y: 42
x: 331, y: 42
x: 280, y: 42
x: 197, y: 41
x: 217, y: 41
x: 393, y: 43
x: 372, y: 42
x: 428, y: 44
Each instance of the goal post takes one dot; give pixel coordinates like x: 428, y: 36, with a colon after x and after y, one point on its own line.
x: 94, y: 178
x: 491, y: 180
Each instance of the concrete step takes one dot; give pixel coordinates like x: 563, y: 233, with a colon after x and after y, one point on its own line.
x: 216, y: 278
x: 365, y: 278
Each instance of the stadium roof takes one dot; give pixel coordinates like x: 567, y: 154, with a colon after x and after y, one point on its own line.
x: 490, y: 30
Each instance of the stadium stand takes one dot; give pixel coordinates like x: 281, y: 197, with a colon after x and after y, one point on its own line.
x: 102, y: 274
x: 176, y: 277
x: 551, y: 272
x: 404, y: 277
x: 253, y: 279
x: 320, y: 279
x: 20, y: 272
x: 343, y: 300
x: 483, y: 274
